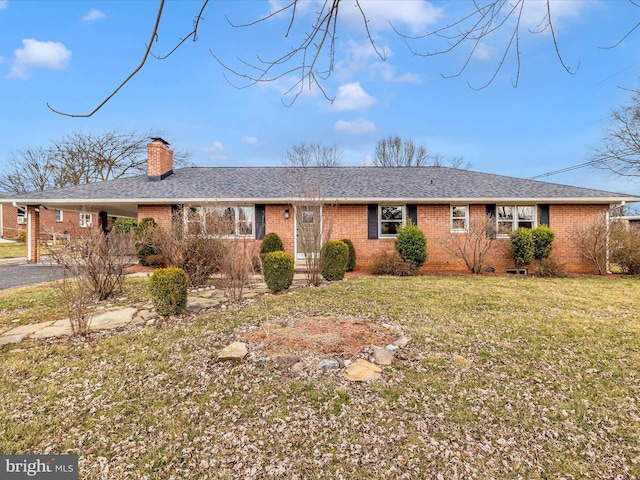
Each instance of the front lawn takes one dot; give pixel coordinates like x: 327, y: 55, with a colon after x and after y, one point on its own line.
x: 505, y: 377
x: 13, y: 250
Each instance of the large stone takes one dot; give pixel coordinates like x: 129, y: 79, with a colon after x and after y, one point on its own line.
x: 382, y: 356
x: 235, y: 351
x: 402, y: 341
x: 362, y: 371
x: 328, y: 364
x: 285, y: 363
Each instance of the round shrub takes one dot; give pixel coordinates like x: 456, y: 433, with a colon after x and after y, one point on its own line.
x: 390, y: 263
x: 146, y: 239
x: 271, y: 243
x: 334, y: 257
x: 542, y: 242
x: 522, y: 246
x: 125, y: 225
x: 351, y: 264
x: 277, y: 270
x: 411, y: 244
x: 168, y: 289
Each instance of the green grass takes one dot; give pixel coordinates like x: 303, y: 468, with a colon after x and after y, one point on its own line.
x: 13, y: 250
x: 505, y: 377
x: 27, y: 305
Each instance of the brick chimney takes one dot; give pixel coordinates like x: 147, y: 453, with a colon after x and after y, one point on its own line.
x: 160, y: 159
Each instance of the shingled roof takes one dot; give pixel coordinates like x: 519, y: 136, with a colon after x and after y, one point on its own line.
x: 342, y: 184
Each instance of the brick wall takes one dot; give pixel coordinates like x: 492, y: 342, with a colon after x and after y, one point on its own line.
x: 350, y: 221
x: 70, y: 222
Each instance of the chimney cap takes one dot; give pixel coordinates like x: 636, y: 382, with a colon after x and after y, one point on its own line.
x: 159, y: 139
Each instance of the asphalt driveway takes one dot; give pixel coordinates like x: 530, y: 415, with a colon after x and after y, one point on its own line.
x: 22, y: 274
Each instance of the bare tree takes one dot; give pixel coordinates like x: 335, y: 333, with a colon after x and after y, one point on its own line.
x: 80, y: 158
x: 620, y: 150
x: 474, y: 245
x: 310, y: 58
x: 394, y: 151
x: 305, y: 155
x: 591, y: 240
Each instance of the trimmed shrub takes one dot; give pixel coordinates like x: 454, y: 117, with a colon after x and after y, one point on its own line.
x: 334, y: 257
x: 146, y: 239
x: 542, y: 242
x: 411, y: 244
x: 390, y: 264
x: 351, y: 264
x: 522, y: 246
x: 125, y: 225
x: 168, y: 289
x: 271, y: 243
x: 277, y: 270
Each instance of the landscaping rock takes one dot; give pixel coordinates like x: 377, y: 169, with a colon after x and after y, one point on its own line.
x: 235, y: 351
x: 362, y: 371
x: 328, y: 364
x: 402, y: 341
x: 382, y: 356
x: 285, y: 363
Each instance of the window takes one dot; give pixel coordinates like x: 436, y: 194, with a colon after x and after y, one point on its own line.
x: 22, y: 215
x: 510, y: 217
x: 85, y: 220
x: 226, y: 221
x: 459, y: 218
x: 58, y: 215
x: 391, y: 218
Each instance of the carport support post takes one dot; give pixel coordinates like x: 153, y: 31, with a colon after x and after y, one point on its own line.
x: 33, y: 234
x: 104, y: 222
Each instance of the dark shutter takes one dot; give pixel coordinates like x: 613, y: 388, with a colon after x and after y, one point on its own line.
x: 544, y: 215
x: 490, y: 210
x: 261, y: 221
x: 412, y: 214
x: 372, y: 221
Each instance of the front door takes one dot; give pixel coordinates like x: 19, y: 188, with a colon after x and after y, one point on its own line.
x: 308, y: 231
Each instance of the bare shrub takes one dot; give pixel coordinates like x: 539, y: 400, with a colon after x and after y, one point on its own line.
x: 473, y: 246
x: 386, y: 263
x: 550, y: 267
x: 76, y: 295
x: 236, y: 266
x: 591, y: 241
x: 625, y: 247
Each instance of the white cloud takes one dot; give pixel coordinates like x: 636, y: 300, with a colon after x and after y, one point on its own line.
x: 355, y: 127
x: 36, y: 54
x: 250, y: 140
x: 388, y: 73
x: 216, y: 146
x: 4, y: 4
x: 535, y: 12
x: 352, y: 96
x: 94, y: 15
x: 417, y: 15
x: 484, y: 51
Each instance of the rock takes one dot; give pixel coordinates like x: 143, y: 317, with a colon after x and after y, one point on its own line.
x: 362, y: 371
x: 285, y: 363
x: 382, y: 356
x: 393, y: 348
x: 298, y: 367
x: 235, y: 351
x: 328, y: 363
x: 402, y: 341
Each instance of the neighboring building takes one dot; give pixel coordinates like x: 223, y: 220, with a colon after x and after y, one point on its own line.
x: 363, y: 204
x: 13, y: 221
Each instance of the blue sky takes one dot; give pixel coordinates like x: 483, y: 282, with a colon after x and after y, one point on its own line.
x: 72, y: 54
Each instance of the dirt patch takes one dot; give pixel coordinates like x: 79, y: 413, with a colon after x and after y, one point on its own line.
x: 332, y: 336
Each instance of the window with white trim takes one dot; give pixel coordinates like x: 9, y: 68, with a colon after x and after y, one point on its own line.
x: 459, y: 218
x: 511, y: 217
x: 85, y: 220
x: 391, y: 218
x: 225, y: 221
x: 22, y: 215
x: 58, y: 215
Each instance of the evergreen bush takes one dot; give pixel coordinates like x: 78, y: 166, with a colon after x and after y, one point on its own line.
x: 522, y: 247
x: 168, y: 288
x: 334, y: 258
x: 125, y: 225
x: 271, y: 243
x: 351, y: 264
x: 146, y: 239
x: 411, y: 244
x: 277, y: 270
x: 542, y: 242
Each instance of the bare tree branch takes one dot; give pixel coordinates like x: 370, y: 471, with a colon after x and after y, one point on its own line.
x: 154, y: 35
x: 193, y: 33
